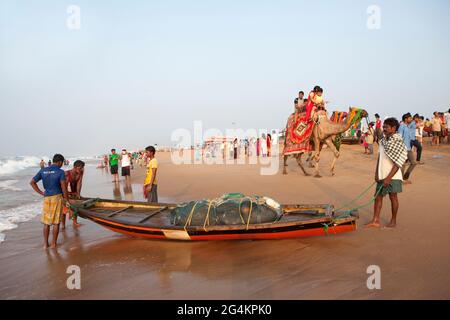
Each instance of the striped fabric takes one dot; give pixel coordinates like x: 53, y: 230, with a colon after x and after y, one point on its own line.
x: 395, y: 149
x: 52, y: 209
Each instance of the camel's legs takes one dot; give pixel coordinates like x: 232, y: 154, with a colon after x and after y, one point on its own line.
x: 309, y: 160
x: 330, y: 145
x: 317, y: 147
x: 316, y: 157
x: 299, y: 162
x: 284, y: 164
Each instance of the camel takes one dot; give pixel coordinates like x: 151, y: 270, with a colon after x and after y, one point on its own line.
x: 325, y: 132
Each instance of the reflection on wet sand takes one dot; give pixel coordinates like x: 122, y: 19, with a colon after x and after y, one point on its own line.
x: 128, y: 191
x: 116, y: 192
x: 167, y: 265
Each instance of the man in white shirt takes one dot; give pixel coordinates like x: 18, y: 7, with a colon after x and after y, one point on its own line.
x: 125, y: 163
x: 392, y: 156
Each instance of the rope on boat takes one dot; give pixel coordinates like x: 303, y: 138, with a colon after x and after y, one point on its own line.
x: 249, y: 213
x: 212, y: 204
x: 347, y: 213
x: 357, y: 197
x: 207, y: 214
x: 189, y: 219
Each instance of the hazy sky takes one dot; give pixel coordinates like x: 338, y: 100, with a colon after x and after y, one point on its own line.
x: 137, y: 70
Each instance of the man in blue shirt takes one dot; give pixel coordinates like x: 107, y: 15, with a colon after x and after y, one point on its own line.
x: 405, y: 131
x: 55, y: 189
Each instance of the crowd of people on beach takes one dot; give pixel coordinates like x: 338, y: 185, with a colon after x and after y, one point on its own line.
x: 400, y: 145
x: 229, y: 148
x: 400, y: 150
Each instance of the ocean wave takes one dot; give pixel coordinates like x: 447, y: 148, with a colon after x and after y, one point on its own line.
x: 10, y: 218
x: 12, y: 165
x: 8, y: 185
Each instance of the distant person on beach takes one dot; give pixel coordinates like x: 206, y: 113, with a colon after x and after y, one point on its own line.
x: 447, y: 123
x: 369, y: 139
x: 150, y: 184
x: 443, y: 128
x: 74, y: 180
x: 55, y: 194
x: 49, y: 163
x: 269, y: 144
x: 404, y: 131
x: 436, y: 128
x: 258, y: 147
x: 263, y: 145
x: 392, y: 155
x: 42, y: 163
x: 235, y: 149
x: 415, y: 129
x: 378, y: 129
x: 114, y: 165
x: 419, y: 129
x: 125, y: 163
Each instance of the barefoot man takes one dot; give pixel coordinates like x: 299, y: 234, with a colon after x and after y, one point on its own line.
x: 392, y: 154
x: 74, y: 180
x: 150, y: 184
x: 114, y: 165
x: 54, y: 181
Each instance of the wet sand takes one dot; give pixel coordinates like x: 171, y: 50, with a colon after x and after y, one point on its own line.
x: 414, y: 258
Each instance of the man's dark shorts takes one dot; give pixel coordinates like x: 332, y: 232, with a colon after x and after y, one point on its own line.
x: 114, y: 169
x: 125, y: 171
x: 153, y: 194
x: 394, y: 187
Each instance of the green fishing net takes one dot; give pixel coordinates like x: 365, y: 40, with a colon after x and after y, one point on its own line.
x: 229, y: 209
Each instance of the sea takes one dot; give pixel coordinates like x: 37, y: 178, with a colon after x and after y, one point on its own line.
x: 18, y: 201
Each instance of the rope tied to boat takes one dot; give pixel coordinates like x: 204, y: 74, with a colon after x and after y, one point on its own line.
x: 249, y: 213
x: 189, y: 219
x: 348, y: 213
x: 207, y: 214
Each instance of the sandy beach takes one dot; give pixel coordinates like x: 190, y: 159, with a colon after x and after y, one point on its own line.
x: 414, y: 258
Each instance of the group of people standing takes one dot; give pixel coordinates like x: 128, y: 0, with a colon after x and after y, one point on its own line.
x: 58, y: 186
x: 396, y: 157
x: 126, y: 163
x: 238, y: 148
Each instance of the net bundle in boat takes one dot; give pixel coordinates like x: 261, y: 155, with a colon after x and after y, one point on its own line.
x: 229, y: 209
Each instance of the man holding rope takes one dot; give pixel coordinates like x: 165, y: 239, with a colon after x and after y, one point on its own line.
x: 388, y: 175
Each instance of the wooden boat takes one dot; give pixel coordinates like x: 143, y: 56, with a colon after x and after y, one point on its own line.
x: 147, y: 220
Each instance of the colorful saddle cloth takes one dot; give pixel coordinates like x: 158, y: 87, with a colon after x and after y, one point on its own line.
x: 298, y: 133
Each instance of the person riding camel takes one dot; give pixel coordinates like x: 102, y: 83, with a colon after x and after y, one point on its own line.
x: 315, y: 102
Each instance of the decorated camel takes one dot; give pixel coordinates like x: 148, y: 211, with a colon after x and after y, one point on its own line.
x: 317, y: 133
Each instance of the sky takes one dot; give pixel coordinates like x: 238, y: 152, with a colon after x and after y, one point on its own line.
x: 135, y: 71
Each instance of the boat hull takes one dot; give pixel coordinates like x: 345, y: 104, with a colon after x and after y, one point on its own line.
x: 264, y: 232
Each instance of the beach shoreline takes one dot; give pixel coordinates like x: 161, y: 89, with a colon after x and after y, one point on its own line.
x: 332, y: 267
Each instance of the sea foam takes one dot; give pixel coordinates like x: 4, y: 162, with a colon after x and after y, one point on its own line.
x: 9, y: 218
x: 10, y: 166
x: 9, y: 185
